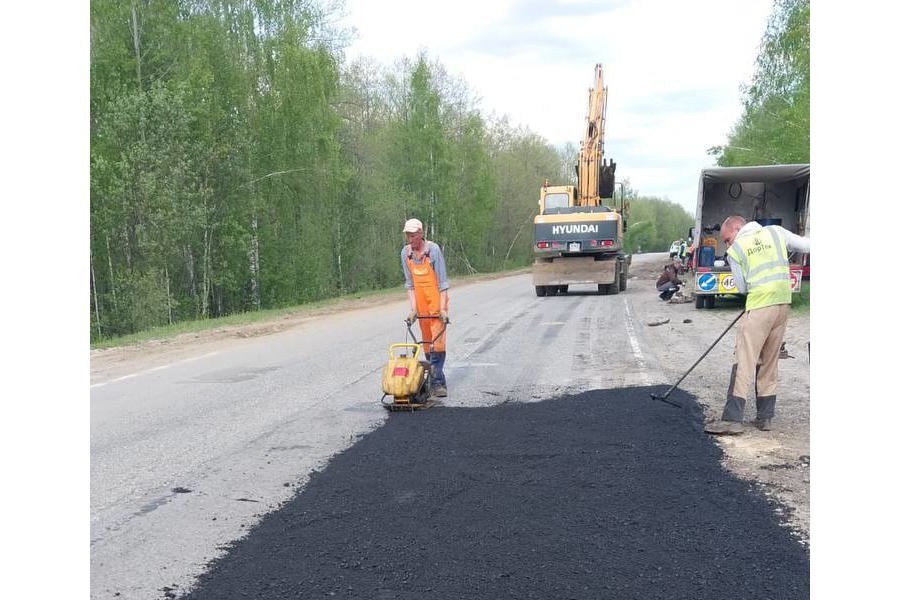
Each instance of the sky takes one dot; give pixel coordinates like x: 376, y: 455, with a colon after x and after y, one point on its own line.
x: 673, y: 70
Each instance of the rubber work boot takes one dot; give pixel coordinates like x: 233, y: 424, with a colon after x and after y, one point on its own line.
x: 765, y: 408
x: 734, y: 405
x: 763, y: 424
x: 724, y: 428
x: 438, y: 381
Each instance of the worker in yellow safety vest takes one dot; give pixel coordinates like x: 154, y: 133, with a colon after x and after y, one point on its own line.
x: 758, y: 257
x: 427, y: 287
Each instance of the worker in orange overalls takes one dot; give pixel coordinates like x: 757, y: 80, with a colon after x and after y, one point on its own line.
x: 426, y: 285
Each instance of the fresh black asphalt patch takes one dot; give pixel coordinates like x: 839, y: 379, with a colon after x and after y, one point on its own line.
x: 607, y: 494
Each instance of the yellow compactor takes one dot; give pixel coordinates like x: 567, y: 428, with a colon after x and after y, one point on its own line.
x: 406, y: 378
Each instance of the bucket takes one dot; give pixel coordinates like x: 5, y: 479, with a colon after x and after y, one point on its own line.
x: 707, y: 256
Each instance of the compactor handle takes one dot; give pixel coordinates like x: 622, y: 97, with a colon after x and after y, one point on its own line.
x: 409, y: 325
x: 416, y: 350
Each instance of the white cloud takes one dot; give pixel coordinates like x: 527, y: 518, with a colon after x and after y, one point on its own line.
x: 673, y: 69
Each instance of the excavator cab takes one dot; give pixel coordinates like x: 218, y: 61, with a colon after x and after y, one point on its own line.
x: 556, y: 200
x: 555, y: 197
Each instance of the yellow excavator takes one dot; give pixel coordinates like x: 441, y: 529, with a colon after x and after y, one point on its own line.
x: 579, y: 238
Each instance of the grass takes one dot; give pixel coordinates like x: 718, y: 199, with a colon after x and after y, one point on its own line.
x: 240, y: 319
x: 262, y: 316
x: 800, y: 300
x: 799, y: 306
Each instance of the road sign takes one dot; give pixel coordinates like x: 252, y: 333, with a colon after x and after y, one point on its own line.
x: 707, y: 282
x: 796, y: 280
x: 726, y: 284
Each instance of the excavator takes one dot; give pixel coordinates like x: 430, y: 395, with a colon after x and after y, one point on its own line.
x: 579, y: 238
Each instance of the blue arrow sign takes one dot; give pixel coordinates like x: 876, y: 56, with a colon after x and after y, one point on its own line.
x: 707, y: 282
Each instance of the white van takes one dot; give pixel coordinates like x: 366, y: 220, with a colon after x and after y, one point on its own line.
x: 767, y: 194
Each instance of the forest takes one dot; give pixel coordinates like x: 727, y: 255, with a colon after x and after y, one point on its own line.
x: 237, y: 163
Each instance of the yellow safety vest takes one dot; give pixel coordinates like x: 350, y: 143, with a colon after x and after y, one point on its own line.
x: 762, y: 257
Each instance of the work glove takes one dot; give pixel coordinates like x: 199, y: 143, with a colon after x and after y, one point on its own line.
x: 411, y: 317
x: 445, y: 318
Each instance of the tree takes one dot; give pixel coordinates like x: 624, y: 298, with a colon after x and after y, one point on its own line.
x: 774, y: 125
x: 237, y: 165
x: 653, y: 223
x: 521, y: 161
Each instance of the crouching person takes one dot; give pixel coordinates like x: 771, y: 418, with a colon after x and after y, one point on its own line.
x: 668, y: 283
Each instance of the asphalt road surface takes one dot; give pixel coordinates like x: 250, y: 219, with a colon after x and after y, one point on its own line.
x: 201, y: 460
x: 602, y: 495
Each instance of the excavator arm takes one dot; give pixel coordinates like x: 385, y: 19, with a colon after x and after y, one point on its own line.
x: 596, y: 178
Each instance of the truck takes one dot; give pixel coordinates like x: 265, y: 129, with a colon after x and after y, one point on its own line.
x: 767, y: 194
x: 579, y: 238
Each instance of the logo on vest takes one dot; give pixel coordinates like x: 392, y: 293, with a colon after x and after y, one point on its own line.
x: 583, y: 228
x: 758, y: 246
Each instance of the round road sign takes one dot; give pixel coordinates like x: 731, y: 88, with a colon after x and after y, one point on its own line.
x: 706, y: 282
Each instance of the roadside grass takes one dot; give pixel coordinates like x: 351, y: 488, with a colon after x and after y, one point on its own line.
x: 262, y: 316
x: 240, y: 319
x: 800, y: 301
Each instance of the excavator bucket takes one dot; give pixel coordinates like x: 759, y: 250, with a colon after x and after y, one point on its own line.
x: 607, y: 179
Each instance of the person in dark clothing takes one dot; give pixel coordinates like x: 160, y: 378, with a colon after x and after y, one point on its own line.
x: 689, y: 256
x: 668, y: 283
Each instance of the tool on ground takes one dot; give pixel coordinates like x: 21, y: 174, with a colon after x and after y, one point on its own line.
x: 665, y: 397
x: 406, y: 378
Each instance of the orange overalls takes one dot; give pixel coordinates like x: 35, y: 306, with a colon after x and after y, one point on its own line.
x: 428, y: 303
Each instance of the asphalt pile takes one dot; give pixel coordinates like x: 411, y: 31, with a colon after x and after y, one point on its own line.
x: 607, y: 494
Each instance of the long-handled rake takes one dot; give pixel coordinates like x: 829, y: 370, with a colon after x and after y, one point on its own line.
x: 665, y: 397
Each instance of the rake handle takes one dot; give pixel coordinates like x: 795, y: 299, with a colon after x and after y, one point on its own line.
x: 702, y: 356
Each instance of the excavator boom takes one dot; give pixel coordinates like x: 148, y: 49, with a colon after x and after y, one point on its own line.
x: 596, y: 179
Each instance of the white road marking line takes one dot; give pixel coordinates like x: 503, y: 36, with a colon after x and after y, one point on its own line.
x: 596, y: 381
x: 160, y: 368
x: 635, y: 347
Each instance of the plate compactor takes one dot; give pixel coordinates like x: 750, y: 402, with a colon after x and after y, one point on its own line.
x: 406, y: 378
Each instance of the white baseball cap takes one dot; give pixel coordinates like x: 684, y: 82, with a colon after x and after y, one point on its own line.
x: 412, y: 226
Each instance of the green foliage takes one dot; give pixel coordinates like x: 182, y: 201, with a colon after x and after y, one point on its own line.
x: 521, y: 161
x: 653, y: 223
x: 248, y: 318
x: 238, y: 165
x: 800, y: 300
x: 774, y: 126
